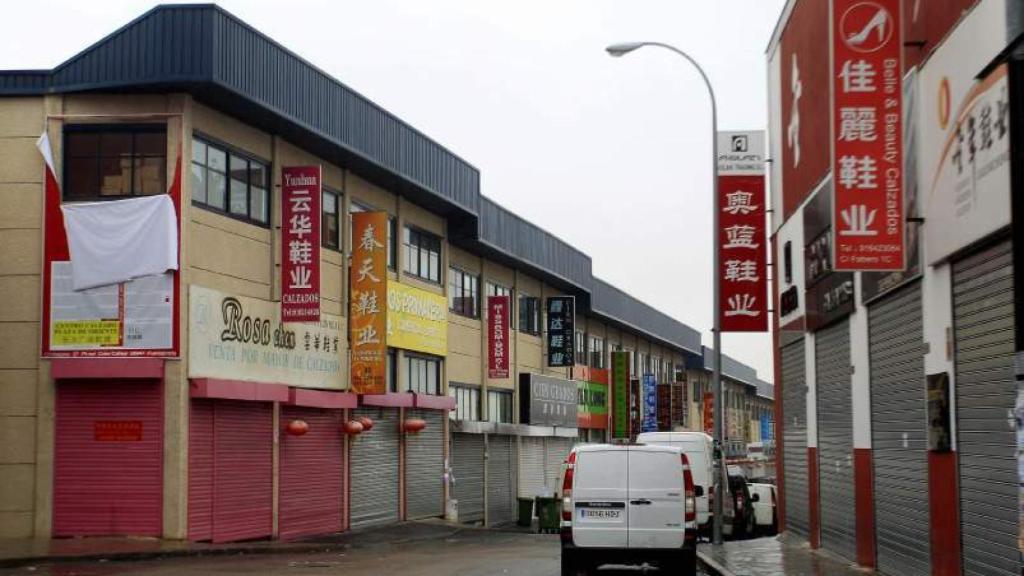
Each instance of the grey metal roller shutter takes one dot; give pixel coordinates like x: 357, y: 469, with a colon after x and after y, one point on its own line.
x: 794, y: 439
x: 424, y: 467
x: 899, y: 433
x: 468, y: 470
x: 531, y: 466
x: 835, y: 439
x: 983, y: 320
x: 501, y: 473
x: 374, y: 470
x: 556, y: 451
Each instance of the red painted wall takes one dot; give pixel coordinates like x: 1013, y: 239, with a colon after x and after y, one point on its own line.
x: 812, y: 494
x: 864, y: 494
x: 944, y: 504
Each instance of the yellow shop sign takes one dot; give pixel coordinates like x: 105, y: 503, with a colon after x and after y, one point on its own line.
x: 417, y: 320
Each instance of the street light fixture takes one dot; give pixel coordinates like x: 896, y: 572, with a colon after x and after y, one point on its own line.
x: 721, y: 478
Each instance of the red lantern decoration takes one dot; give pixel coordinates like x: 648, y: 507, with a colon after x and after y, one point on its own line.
x: 297, y: 428
x: 352, y: 428
x: 367, y: 423
x: 413, y: 425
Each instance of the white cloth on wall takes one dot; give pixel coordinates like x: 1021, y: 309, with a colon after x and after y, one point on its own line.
x: 118, y: 240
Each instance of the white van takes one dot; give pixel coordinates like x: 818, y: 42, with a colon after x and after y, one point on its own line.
x: 699, y: 449
x: 628, y: 504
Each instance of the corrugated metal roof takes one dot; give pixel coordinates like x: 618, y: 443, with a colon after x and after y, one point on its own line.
x: 765, y: 389
x: 615, y: 306
x: 731, y: 368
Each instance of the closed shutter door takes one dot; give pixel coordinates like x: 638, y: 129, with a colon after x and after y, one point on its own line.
x: 310, y: 474
x: 108, y: 458
x: 983, y: 319
x: 424, y: 469
x: 468, y: 470
x: 794, y: 413
x: 500, y: 479
x: 556, y: 451
x: 374, y: 470
x: 835, y: 440
x: 243, y: 470
x: 899, y: 434
x: 531, y: 466
x: 200, y: 470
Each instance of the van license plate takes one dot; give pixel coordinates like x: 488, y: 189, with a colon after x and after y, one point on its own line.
x: 600, y: 513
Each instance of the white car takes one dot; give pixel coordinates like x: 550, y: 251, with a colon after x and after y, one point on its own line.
x: 699, y: 449
x: 765, y: 518
x: 628, y: 504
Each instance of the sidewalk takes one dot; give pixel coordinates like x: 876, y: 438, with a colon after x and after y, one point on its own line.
x: 21, y: 552
x: 774, y: 557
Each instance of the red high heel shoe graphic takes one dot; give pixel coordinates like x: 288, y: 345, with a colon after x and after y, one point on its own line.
x: 874, y: 34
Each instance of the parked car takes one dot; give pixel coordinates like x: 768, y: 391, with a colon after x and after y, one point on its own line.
x: 628, y: 504
x: 764, y: 502
x: 742, y: 504
x: 699, y: 449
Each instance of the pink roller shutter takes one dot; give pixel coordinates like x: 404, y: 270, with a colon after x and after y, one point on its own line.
x: 200, y: 470
x: 108, y: 458
x: 311, y: 474
x: 242, y: 479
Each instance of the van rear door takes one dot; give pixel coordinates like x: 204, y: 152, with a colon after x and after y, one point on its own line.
x: 599, y: 494
x: 656, y: 499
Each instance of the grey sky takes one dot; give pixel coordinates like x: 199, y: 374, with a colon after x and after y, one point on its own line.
x: 612, y: 155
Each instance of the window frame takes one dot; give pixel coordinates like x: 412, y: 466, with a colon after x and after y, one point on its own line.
x: 420, y: 234
x: 339, y: 204
x: 229, y: 151
x: 470, y: 391
x: 596, y: 344
x: 525, y: 327
x: 506, y: 397
x: 458, y: 289
x: 582, y: 345
x: 410, y: 358
x: 133, y: 129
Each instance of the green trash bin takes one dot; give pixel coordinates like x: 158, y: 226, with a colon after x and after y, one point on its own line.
x: 525, y: 511
x: 549, y: 519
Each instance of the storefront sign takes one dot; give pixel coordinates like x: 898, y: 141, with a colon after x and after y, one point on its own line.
x: 649, y: 422
x: 417, y: 320
x: 240, y: 338
x: 369, y: 303
x: 547, y: 401
x: 130, y: 319
x: 709, y: 413
x: 117, y: 431
x: 829, y: 300
x: 766, y: 429
x: 498, y: 310
x: 867, y: 134
x: 620, y: 394
x: 741, y: 234
x: 300, y: 243
x: 592, y: 406
x: 679, y: 401
x: 561, y: 334
x: 829, y: 294
x: 664, y: 407
x: 789, y: 301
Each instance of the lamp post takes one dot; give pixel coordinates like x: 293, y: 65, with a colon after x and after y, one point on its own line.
x: 721, y: 479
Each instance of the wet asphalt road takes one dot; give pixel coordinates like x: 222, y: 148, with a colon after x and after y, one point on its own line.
x: 466, y: 553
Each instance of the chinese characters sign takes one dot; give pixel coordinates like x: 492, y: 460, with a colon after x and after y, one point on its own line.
x: 497, y: 336
x: 741, y: 232
x: 561, y: 320
x: 664, y: 407
x: 547, y: 401
x: 709, y: 413
x: 300, y: 244
x: 867, y: 134
x: 649, y: 423
x: 368, y: 302
x: 620, y: 394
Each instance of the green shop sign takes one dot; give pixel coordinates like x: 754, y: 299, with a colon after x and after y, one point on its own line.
x: 620, y: 394
x: 593, y: 398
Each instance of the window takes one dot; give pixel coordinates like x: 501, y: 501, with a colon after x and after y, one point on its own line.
x: 787, y: 261
x: 581, y: 348
x: 114, y: 161
x: 529, y: 314
x: 422, y: 255
x: 229, y: 182
x: 597, y: 352
x: 643, y: 365
x: 330, y: 231
x: 463, y: 293
x: 499, y: 406
x: 392, y: 224
x: 493, y: 289
x: 424, y: 374
x: 467, y: 402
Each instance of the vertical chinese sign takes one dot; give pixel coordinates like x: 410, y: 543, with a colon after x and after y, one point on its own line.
x: 867, y: 135
x: 367, y: 320
x: 664, y: 407
x: 649, y: 404
x: 497, y: 336
x: 743, y: 282
x: 561, y: 322
x: 620, y: 394
x: 709, y: 414
x: 300, y: 244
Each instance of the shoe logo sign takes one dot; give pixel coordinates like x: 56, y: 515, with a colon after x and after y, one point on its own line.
x: 867, y: 27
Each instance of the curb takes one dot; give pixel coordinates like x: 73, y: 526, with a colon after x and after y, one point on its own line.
x: 710, y: 564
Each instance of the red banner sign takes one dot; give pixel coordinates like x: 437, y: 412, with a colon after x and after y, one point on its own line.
x: 117, y: 431
x: 867, y: 135
x: 300, y: 244
x: 368, y: 303
x: 498, y: 309
x: 743, y: 278
x: 709, y: 413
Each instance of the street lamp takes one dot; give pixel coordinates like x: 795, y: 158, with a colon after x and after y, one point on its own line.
x: 721, y: 479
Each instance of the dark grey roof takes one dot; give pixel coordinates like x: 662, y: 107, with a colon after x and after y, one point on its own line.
x: 615, y: 306
x: 765, y: 389
x: 731, y: 368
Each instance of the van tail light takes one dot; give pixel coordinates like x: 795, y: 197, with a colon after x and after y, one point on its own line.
x: 690, y: 502
x: 570, y: 466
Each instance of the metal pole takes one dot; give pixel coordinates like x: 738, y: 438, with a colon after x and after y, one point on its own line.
x: 721, y: 477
